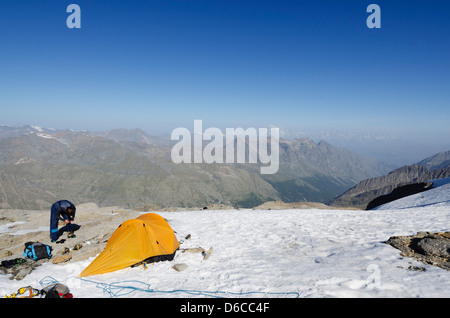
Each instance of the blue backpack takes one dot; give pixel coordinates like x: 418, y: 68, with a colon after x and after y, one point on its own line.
x: 37, y: 251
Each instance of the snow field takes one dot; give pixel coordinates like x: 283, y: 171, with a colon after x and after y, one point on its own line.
x: 315, y: 253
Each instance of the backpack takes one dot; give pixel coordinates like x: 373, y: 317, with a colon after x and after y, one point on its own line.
x: 56, y: 291
x: 37, y: 251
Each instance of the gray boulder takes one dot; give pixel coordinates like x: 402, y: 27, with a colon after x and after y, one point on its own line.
x: 428, y: 247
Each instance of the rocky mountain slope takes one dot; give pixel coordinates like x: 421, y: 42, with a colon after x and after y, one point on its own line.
x: 133, y: 169
x: 437, y: 161
x: 434, y: 167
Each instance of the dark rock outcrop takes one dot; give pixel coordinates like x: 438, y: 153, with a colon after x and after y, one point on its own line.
x: 399, y: 193
x: 367, y: 190
x: 428, y: 247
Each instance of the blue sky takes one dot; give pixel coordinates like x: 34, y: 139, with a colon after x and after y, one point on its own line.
x: 158, y: 65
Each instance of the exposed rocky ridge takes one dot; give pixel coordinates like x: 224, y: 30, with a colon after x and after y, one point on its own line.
x: 428, y: 247
x: 367, y: 190
x: 400, y: 192
x: 437, y: 161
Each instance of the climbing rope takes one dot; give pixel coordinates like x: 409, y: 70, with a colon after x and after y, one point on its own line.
x: 122, y: 288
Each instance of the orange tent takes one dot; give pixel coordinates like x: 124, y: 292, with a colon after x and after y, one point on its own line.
x: 147, y: 238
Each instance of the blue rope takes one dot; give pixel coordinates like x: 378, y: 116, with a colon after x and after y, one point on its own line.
x: 117, y: 289
x: 47, y: 280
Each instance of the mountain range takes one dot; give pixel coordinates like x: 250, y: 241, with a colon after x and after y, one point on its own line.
x: 395, y: 150
x: 132, y: 169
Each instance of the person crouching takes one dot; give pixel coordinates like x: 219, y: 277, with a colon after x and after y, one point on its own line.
x: 65, y: 211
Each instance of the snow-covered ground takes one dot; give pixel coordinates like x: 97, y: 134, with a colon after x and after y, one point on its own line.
x: 285, y: 253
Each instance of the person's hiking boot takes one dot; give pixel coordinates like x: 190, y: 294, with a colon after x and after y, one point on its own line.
x: 71, y: 235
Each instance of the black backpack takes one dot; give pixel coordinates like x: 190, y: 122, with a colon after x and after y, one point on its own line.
x: 37, y: 251
x: 56, y: 291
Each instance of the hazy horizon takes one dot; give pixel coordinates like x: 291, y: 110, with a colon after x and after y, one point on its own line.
x: 396, y: 151
x: 309, y: 68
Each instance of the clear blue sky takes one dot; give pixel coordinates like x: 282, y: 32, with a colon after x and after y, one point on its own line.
x: 161, y: 64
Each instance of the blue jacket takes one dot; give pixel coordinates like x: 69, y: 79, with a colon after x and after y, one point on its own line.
x: 59, y: 210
